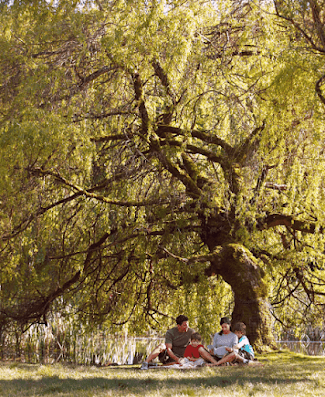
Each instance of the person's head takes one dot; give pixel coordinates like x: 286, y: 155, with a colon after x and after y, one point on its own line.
x: 225, y: 325
x: 182, y: 323
x: 195, y: 339
x: 240, y: 329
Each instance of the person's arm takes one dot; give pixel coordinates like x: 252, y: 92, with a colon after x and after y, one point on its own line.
x: 171, y: 353
x: 231, y: 349
x: 234, y: 345
x: 241, y: 343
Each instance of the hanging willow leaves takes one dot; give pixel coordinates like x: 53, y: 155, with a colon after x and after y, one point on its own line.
x: 150, y: 150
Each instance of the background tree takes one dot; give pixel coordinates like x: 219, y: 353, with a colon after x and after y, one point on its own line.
x: 149, y: 148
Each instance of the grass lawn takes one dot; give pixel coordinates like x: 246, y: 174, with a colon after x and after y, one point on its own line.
x: 283, y: 374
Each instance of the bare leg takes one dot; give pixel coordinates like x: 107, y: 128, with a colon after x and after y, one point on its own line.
x: 228, y: 358
x: 155, y: 353
x: 207, y: 356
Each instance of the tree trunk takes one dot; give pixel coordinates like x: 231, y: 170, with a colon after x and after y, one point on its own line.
x: 240, y: 269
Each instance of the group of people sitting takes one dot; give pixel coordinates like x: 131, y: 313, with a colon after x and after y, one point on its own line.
x: 182, y: 342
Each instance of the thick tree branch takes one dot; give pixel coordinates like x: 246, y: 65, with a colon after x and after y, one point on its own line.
x: 289, y: 221
x: 259, y: 184
x: 194, y: 259
x: 165, y: 118
x: 249, y: 146
x: 229, y: 168
x: 84, y: 81
x: 34, y: 310
x: 319, y: 83
x: 38, y: 307
x: 203, y: 135
x: 190, y: 185
x: 139, y: 96
x: 318, y: 22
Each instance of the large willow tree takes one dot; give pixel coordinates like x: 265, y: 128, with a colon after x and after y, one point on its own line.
x: 148, y: 146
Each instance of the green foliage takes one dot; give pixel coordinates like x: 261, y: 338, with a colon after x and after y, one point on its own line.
x: 141, y: 141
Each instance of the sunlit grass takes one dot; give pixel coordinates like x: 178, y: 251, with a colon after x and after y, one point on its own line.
x: 283, y: 374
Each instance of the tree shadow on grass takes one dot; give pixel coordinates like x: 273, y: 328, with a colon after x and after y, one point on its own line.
x: 137, y: 381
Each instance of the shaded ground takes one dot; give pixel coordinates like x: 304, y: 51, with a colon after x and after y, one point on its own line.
x: 283, y: 374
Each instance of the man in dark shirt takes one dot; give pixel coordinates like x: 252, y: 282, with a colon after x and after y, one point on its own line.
x: 176, y: 340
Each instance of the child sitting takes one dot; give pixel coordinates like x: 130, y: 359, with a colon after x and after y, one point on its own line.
x: 196, y: 350
x: 242, y: 352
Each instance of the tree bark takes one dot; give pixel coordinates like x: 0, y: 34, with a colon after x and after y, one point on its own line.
x: 240, y: 269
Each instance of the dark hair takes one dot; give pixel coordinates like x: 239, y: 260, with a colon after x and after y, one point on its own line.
x: 241, y: 327
x: 180, y: 319
x: 196, y: 336
x: 224, y: 320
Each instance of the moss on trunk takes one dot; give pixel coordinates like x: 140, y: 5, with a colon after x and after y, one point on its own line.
x: 240, y: 269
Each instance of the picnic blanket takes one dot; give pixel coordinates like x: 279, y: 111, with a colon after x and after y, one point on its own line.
x: 200, y: 362
x: 185, y: 364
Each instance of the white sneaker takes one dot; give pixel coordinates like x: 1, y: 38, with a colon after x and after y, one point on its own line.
x: 145, y: 365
